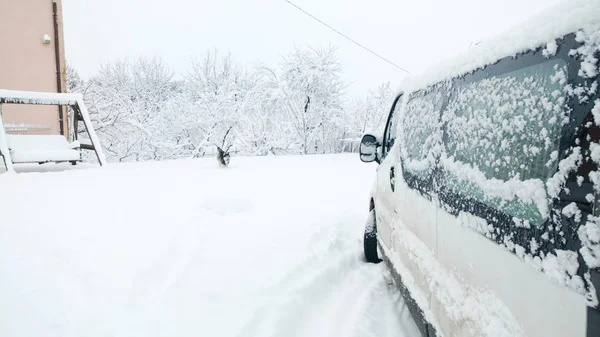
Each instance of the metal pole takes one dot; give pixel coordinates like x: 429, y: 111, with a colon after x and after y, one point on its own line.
x: 58, y: 69
x: 4, y: 146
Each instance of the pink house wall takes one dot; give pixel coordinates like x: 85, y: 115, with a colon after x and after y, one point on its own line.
x: 26, y: 63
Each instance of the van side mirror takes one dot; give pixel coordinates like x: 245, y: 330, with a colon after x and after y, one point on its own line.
x: 368, y: 149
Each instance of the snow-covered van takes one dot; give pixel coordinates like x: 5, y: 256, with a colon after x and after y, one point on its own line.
x: 486, y: 205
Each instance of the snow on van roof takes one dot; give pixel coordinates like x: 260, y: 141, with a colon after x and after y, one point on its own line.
x: 539, y: 30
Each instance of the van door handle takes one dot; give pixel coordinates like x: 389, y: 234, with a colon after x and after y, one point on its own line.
x: 393, y: 178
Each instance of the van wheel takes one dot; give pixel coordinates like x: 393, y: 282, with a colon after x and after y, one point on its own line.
x: 370, y: 240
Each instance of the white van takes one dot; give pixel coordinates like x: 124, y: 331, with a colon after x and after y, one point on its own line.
x: 485, y: 206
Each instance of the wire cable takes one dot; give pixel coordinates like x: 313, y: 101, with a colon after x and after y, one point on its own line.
x: 347, y: 37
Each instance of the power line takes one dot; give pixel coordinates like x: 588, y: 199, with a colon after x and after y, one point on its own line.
x: 347, y: 37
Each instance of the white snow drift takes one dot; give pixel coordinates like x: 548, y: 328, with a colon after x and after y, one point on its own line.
x: 268, y: 247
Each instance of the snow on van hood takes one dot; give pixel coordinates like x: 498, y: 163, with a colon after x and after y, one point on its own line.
x: 541, y: 29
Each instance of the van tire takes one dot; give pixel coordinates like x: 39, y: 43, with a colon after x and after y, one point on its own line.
x: 370, y: 239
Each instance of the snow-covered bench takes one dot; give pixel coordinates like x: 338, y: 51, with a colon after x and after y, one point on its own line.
x: 46, y: 148
x: 42, y: 149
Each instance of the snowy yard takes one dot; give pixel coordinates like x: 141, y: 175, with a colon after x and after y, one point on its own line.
x: 271, y: 246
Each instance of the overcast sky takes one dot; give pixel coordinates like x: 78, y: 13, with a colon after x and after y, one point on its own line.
x: 412, y: 33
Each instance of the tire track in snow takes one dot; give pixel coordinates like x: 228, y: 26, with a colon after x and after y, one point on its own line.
x: 334, y: 294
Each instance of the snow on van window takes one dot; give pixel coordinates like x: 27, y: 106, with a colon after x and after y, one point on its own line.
x: 550, y: 49
x: 589, y: 234
x: 562, y: 266
x: 566, y: 166
x: 587, y: 52
x: 502, y: 137
x: 421, y: 132
x: 596, y: 111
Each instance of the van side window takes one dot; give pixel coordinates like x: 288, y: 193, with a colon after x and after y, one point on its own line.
x: 421, y: 132
x: 502, y: 137
x: 389, y: 136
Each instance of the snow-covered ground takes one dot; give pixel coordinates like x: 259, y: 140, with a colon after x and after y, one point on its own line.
x: 271, y: 246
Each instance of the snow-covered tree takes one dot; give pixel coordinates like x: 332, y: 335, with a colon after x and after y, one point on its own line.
x: 264, y: 127
x: 74, y: 81
x: 370, y: 114
x: 141, y: 112
x: 312, y: 91
x: 125, y: 100
x: 218, y: 92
